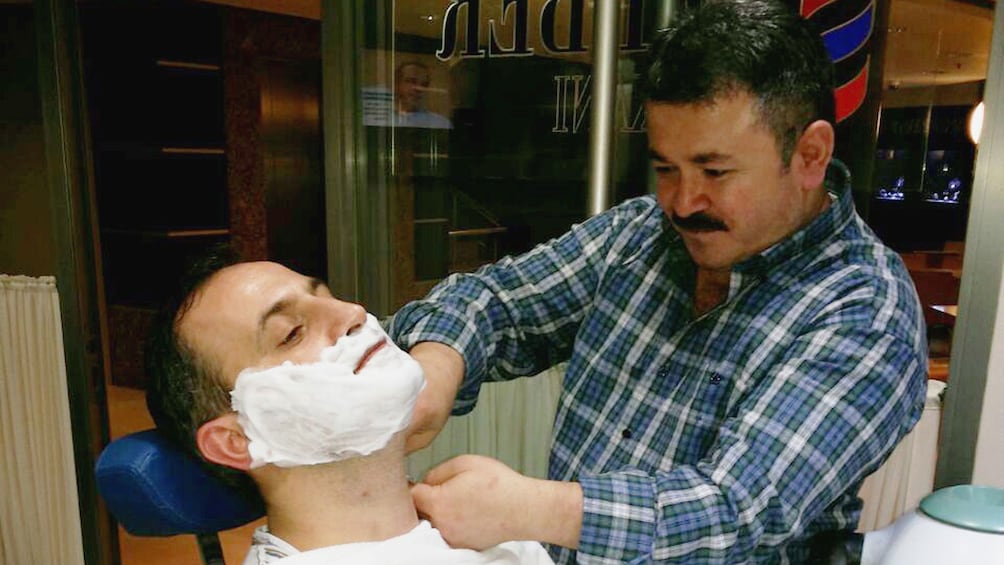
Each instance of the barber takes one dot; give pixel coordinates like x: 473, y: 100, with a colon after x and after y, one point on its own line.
x: 742, y: 350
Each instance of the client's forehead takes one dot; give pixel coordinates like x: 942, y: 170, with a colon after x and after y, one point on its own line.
x: 222, y: 320
x: 239, y: 292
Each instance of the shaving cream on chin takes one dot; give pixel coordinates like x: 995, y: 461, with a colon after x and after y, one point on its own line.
x: 322, y: 412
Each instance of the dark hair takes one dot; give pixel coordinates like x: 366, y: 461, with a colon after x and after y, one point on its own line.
x: 184, y: 391
x: 761, y: 47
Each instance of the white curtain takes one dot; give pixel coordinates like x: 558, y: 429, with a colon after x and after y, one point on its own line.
x: 512, y: 423
x: 39, y: 517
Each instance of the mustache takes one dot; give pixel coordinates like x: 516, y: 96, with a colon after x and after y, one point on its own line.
x: 699, y: 222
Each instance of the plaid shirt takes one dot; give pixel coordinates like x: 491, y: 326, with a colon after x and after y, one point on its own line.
x: 730, y: 437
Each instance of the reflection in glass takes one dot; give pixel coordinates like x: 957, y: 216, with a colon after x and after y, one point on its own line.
x: 943, y: 182
x: 890, y: 174
x: 405, y: 103
x: 933, y: 75
x: 487, y: 106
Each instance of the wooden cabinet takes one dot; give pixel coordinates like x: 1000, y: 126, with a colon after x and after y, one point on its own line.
x: 153, y: 74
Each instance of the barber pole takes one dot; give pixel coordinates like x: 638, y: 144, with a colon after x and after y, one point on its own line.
x: 854, y: 33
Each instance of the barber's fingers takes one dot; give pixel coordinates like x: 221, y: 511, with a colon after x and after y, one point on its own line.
x: 448, y: 515
x: 424, y: 497
x: 444, y: 371
x: 418, y: 439
x: 460, y: 499
x: 454, y: 467
x: 445, y: 485
x: 426, y: 422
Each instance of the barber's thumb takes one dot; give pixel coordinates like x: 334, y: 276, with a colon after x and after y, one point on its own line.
x: 447, y: 470
x: 423, y: 495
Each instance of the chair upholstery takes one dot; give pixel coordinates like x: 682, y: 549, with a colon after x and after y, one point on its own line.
x: 153, y: 488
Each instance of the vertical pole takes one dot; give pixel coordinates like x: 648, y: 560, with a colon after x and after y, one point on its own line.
x: 357, y: 160
x: 606, y: 18
x: 968, y: 446
x: 666, y: 12
x: 67, y: 158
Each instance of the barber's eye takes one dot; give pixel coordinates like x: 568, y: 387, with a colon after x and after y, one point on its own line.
x: 292, y: 337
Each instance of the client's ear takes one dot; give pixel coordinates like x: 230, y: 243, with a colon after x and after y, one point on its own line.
x: 223, y: 442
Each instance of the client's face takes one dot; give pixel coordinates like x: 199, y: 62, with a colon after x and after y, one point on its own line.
x: 262, y: 314
x: 313, y: 379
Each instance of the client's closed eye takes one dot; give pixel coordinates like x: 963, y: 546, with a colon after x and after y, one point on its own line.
x: 292, y: 337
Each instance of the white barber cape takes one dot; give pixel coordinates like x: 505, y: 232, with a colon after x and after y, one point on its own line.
x: 422, y: 545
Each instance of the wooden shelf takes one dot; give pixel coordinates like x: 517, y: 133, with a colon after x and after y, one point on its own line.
x: 193, y: 150
x: 168, y: 233
x: 475, y: 232
x: 169, y: 63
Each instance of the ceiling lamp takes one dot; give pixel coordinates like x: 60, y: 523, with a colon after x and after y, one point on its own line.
x: 976, y: 123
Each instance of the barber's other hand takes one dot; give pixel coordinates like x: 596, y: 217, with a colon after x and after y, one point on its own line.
x: 477, y: 502
x: 444, y: 372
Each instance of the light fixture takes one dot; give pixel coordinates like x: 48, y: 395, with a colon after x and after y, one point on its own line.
x: 975, y: 125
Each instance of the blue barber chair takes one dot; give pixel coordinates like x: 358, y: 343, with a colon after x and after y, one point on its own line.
x: 153, y: 488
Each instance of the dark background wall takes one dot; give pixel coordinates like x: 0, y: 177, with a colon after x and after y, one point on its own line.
x: 272, y: 92
x: 201, y: 137
x: 26, y: 242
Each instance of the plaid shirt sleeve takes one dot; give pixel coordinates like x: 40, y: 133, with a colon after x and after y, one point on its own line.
x: 518, y: 316
x: 800, y: 438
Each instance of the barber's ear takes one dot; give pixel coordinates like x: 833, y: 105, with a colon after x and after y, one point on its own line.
x: 222, y: 441
x: 813, y: 153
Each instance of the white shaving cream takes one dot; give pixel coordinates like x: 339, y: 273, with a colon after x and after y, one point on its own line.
x: 323, y: 412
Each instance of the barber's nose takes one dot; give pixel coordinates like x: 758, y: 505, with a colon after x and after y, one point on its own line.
x: 689, y: 197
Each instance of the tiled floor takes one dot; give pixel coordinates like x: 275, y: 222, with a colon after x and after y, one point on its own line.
x: 127, y: 413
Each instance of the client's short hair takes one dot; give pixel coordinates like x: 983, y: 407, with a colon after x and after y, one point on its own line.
x: 183, y: 390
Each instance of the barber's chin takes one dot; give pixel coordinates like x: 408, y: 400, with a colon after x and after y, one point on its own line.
x: 704, y: 254
x: 713, y: 266
x: 704, y: 243
x: 712, y: 262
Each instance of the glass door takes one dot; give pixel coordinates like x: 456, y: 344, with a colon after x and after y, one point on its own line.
x: 481, y: 113
x: 463, y: 132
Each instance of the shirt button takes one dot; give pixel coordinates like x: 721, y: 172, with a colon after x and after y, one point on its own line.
x: 716, y: 379
x: 626, y: 434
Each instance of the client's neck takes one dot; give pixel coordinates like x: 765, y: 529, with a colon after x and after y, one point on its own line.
x: 361, y: 499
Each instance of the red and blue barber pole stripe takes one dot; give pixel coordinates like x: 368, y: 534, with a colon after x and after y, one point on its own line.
x: 846, y: 41
x: 853, y: 32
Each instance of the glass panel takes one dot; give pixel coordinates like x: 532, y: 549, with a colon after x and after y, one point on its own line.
x: 935, y: 68
x: 489, y: 104
x: 488, y: 109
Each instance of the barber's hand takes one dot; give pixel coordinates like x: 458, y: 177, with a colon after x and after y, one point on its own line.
x: 474, y: 501
x: 444, y: 372
x: 477, y: 502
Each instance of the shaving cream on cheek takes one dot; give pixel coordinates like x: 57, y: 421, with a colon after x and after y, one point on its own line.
x: 323, y: 412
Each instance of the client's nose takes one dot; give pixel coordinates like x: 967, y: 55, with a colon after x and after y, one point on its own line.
x: 345, y: 318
